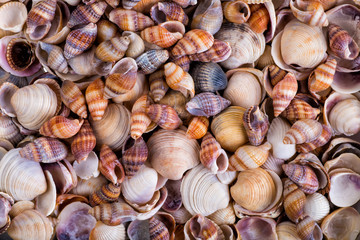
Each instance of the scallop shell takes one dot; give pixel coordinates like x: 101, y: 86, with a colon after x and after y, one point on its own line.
x: 256, y: 228
x: 134, y: 155
x: 158, y: 85
x: 219, y: 52
x: 165, y: 116
x: 106, y: 30
x: 208, y: 77
x: 61, y: 127
x: 112, y: 50
x: 182, y: 153
x: 168, y: 11
x: 106, y: 194
x: 317, y: 207
x: 129, y: 20
x: 194, y: 41
x: 95, y: 100
x: 294, y: 201
x: 311, y: 13
x: 85, y: 14
x: 207, y: 104
x: 84, y: 142
x: 303, y: 176
x: 136, y: 46
x: 102, y: 231
x: 283, y: 92
x: 197, y: 128
x: 236, y: 11
x: 80, y: 40
x: 308, y: 229
x: 179, y: 80
x: 212, y: 156
x: 9, y: 131
x: 14, y: 15
x: 341, y: 43
x: 73, y: 98
x: 208, y: 16
x: 151, y: 60
x: 256, y: 124
x: 110, y: 166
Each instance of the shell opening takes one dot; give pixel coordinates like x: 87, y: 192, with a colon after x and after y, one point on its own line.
x: 21, y: 54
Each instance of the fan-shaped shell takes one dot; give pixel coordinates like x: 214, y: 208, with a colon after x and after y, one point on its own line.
x: 317, y: 206
x: 102, y: 231
x: 13, y: 16
x: 208, y: 77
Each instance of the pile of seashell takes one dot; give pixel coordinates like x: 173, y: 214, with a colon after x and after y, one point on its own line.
x: 181, y: 119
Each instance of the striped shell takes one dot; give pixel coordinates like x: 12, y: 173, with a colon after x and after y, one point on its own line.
x: 61, y: 127
x: 80, y: 40
x: 197, y: 128
x: 110, y: 166
x: 304, y: 130
x: 307, y: 228
x: 151, y: 60
x: 55, y: 57
x: 134, y: 155
x: 179, y: 80
x: 106, y: 194
x: 311, y: 13
x: 158, y: 85
x: 236, y: 11
x: 140, y: 121
x: 129, y: 20
x: 73, y: 98
x: 256, y: 124
x: 168, y: 11
x: 129, y: 4
x: 294, y: 201
x: 19, y: 54
x: 84, y: 142
x: 303, y: 176
x: 95, y: 100
x: 112, y: 50
x: 219, y: 52
x: 208, y: 77
x: 322, y: 77
x: 283, y: 92
x: 300, y: 109
x: 320, y: 141
x: 85, y: 14
x: 207, y: 104
x: 342, y: 44
x: 208, y: 16
x: 102, y: 231
x: 194, y: 41
x: 164, y: 115
x: 9, y: 131
x: 259, y: 18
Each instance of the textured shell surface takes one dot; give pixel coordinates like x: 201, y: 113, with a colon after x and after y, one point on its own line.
x: 84, y: 14
x: 208, y: 77
x: 207, y: 104
x: 80, y: 40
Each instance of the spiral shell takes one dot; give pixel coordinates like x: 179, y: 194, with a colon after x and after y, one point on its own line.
x: 129, y: 20
x: 320, y: 141
x: 106, y: 30
x: 236, y: 11
x: 207, y: 104
x: 208, y: 16
x: 73, y: 98
x: 136, y: 46
x: 9, y: 131
x: 106, y: 194
x: 300, y: 109
x: 208, y: 77
x: 256, y: 124
x: 151, y: 60
x: 95, y: 99
x: 168, y: 11
x: 19, y: 54
x: 304, y: 130
x: 110, y: 166
x: 55, y: 57
x: 294, y: 201
x: 342, y: 44
x: 14, y: 16
x: 140, y: 121
x: 165, y: 116
x: 219, y: 52
x: 112, y: 50
x: 85, y: 14
x: 179, y: 80
x: 308, y: 229
x: 283, y: 92
x: 61, y: 127
x: 80, y: 40
x: 84, y: 142
x: 194, y: 41
x: 134, y: 155
x: 322, y: 77
x: 259, y: 18
x: 311, y: 13
x: 197, y: 128
x: 303, y: 176
x: 158, y: 85
x: 129, y: 4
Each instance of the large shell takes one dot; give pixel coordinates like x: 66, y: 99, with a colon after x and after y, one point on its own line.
x: 294, y: 201
x: 219, y: 52
x: 85, y: 14
x: 168, y: 11
x: 303, y: 131
x: 80, y: 40
x: 256, y: 124
x: 208, y: 77
x: 172, y: 159
x: 13, y: 16
x: 134, y: 155
x: 151, y: 60
x: 95, y: 100
x: 21, y: 178
x: 165, y: 116
x: 60, y: 127
x: 208, y: 16
x: 112, y: 50
x: 73, y: 98
x: 84, y: 142
x: 303, y: 176
x: 179, y: 80
x: 207, y: 104
x: 256, y: 228
x: 283, y: 92
x: 129, y: 20
x: 197, y: 190
x: 194, y: 41
x: 110, y: 166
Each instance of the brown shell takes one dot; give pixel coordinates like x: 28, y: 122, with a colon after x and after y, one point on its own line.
x: 84, y: 14
x: 106, y: 194
x: 198, y: 127
x: 106, y: 30
x: 283, y: 92
x: 151, y: 60
x: 164, y: 115
x: 73, y: 98
x: 129, y: 20
x: 183, y: 62
x: 207, y: 104
x: 95, y: 100
x: 134, y: 155
x: 44, y: 149
x: 219, y: 52
x: 259, y: 18
x: 61, y: 127
x: 200, y: 227
x: 179, y: 80
x: 112, y: 50
x: 300, y: 109
x: 163, y: 36
x: 303, y: 176
x: 140, y: 121
x: 83, y: 143
x: 302, y: 131
x: 79, y: 40
x: 158, y: 85
x: 256, y: 124
x: 341, y: 43
x: 320, y: 141
x: 294, y: 201
x: 171, y: 10
x: 110, y: 166
x: 22, y: 61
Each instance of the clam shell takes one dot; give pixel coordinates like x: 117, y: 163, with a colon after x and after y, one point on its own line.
x: 9, y: 131
x: 294, y: 201
x: 73, y: 98
x: 208, y: 77
x: 84, y: 142
x: 256, y: 228
x: 106, y: 30
x: 129, y: 4
x: 165, y: 116
x: 112, y: 50
x: 168, y: 11
x: 106, y: 194
x: 129, y: 20
x: 194, y: 41
x: 287, y: 231
x: 256, y: 124
x: 303, y: 176
x: 219, y: 52
x: 341, y: 43
x: 197, y: 128
x: 136, y: 46
x: 316, y: 206
x: 345, y: 160
x: 179, y: 80
x: 151, y: 60
x: 85, y: 14
x: 80, y: 40
x: 60, y: 127
x: 95, y: 100
x: 19, y: 207
x: 206, y: 104
x: 19, y: 47
x: 13, y: 16
x: 223, y: 216
x: 110, y: 166
x: 88, y: 168
x: 102, y: 231
x: 236, y: 11
x: 134, y: 155
x: 158, y: 85
x: 208, y: 16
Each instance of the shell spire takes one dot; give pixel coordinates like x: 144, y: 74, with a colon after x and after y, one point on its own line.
x: 283, y: 92
x: 84, y: 142
x: 84, y: 14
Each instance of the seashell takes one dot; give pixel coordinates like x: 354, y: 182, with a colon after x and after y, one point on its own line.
x: 140, y: 121
x: 197, y: 187
x: 311, y: 13
x: 259, y: 18
x: 265, y: 59
x: 129, y: 4
x: 108, y: 193
x: 303, y: 131
x: 219, y: 52
x: 134, y: 155
x: 242, y: 40
x: 308, y: 229
x: 283, y: 92
x: 177, y: 100
x: 6, y: 203
x: 85, y: 14
x: 345, y: 160
x: 200, y: 227
x: 243, y: 81
x: 122, y: 78
x: 165, y: 116
x: 165, y: 34
x: 226, y: 126
x: 274, y: 164
x: 183, y: 62
x: 207, y: 104
x: 173, y: 202
x: 39, y: 19
x: 208, y: 77
x: 287, y: 230
x: 14, y: 15
x: 7, y: 77
x: 236, y: 11
x: 197, y: 128
x: 300, y: 109
x: 322, y: 77
x: 341, y: 43
x: 112, y: 50
x: 88, y: 168
x: 106, y: 30
x: 194, y: 41
x: 61, y: 127
x: 144, y: 6
x: 320, y: 141
x: 179, y: 151
x: 55, y: 57
x: 45, y: 203
x: 9, y: 131
x: 256, y: 228
x: 129, y: 20
x: 158, y: 85
x: 102, y: 231
x: 83, y: 143
x: 294, y: 201
x: 110, y: 166
x: 22, y: 179
x: 185, y: 3
x: 212, y: 156
x: 316, y: 206
x: 86, y: 187
x: 248, y: 157
x: 302, y: 176
x: 256, y: 124
x: 179, y: 80
x: 342, y: 223
x: 208, y: 16
x: 19, y: 207
x: 14, y: 48
x: 73, y: 98
x: 30, y: 224
x: 151, y: 60
x: 223, y: 216
x: 94, y: 96
x: 136, y: 46
x: 168, y: 11
x: 80, y: 40
x: 54, y: 150
x: 71, y: 222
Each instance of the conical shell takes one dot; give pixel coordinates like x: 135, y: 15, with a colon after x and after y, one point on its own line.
x: 80, y: 40
x: 303, y: 176
x: 183, y: 62
x: 136, y: 46
x: 151, y: 60
x: 84, y: 142
x: 168, y: 11
x: 194, y: 41
x: 14, y: 15
x: 108, y: 193
x: 129, y: 20
x: 287, y: 231
x: 219, y: 52
x: 294, y: 201
x: 320, y: 141
x: 134, y: 155
x: 85, y: 14
x: 110, y: 166
x: 236, y: 11
x: 9, y: 131
x: 322, y: 77
x: 158, y: 85
x: 208, y: 77
x: 61, y: 127
x: 308, y: 229
x: 102, y: 231
x: 208, y: 16
x: 248, y: 157
x: 311, y: 13
x: 207, y: 104
x: 112, y: 50
x: 179, y: 80
x: 303, y: 131
x: 283, y: 92
x: 256, y: 124
x: 300, y: 109
x: 30, y: 224
x: 342, y: 44
x: 259, y: 18
x: 164, y: 35
x: 212, y: 156
x: 95, y: 100
x: 164, y: 115
x: 73, y: 98
x: 140, y: 121
x: 198, y: 127
x: 55, y: 57
x: 46, y: 150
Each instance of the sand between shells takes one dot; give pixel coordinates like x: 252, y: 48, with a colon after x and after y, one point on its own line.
x: 182, y: 119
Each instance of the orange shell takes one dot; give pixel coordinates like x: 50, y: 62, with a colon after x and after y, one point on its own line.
x: 164, y: 115
x: 129, y: 20
x: 197, y: 128
x: 140, y: 121
x: 283, y: 92
x: 106, y: 194
x: 61, y: 127
x: 294, y: 201
x: 95, y: 99
x: 179, y: 80
x: 83, y: 143
x: 259, y: 18
x: 322, y: 77
x: 73, y: 98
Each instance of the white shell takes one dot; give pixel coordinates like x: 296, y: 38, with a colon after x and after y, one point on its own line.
x: 102, y: 231
x: 45, y: 203
x: 88, y: 168
x: 13, y: 16
x: 316, y: 206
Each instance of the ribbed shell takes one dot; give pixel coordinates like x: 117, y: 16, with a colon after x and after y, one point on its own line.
x: 158, y: 230
x: 185, y: 3
x: 317, y: 206
x: 194, y: 41
x: 102, y: 231
x: 300, y: 109
x: 61, y: 127
x: 140, y: 121
x: 134, y: 155
x: 179, y: 80
x: 303, y: 131
x: 303, y: 176
x: 341, y: 43
x: 9, y: 131
x: 307, y: 228
x: 84, y: 14
x: 219, y: 52
x: 73, y: 98
x: 158, y: 85
x: 311, y: 13
x: 80, y: 40
x: 320, y: 141
x: 199, y: 227
x: 197, y: 128
x: 236, y: 11
x: 151, y: 60
x: 55, y: 58
x: 207, y: 104
x: 171, y: 10
x: 259, y: 18
x: 164, y: 115
x: 208, y: 77
x: 276, y: 74
x: 129, y: 20
x: 256, y: 124
x: 112, y: 50
x: 84, y: 142
x: 283, y: 92
x: 322, y: 77
x: 110, y: 166
x: 162, y: 36
x: 46, y: 150
x: 95, y: 100
x: 106, y: 30
x: 208, y: 16
x: 129, y: 4
x: 106, y: 194
x: 294, y: 201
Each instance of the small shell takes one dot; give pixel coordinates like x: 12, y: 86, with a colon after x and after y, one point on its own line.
x: 248, y: 157
x: 342, y: 44
x: 236, y: 11
x: 303, y: 176
x: 151, y: 60
x: 110, y: 166
x: 61, y: 127
x: 265, y: 59
x: 197, y: 128
x: 283, y: 92
x: 136, y: 46
x: 256, y: 227
x: 80, y: 40
x: 55, y: 57
x: 194, y: 41
x: 54, y: 150
x: 73, y: 98
x: 108, y: 193
x: 106, y: 30
x: 274, y: 164
x: 212, y: 156
x: 129, y: 20
x: 183, y: 62
x: 294, y: 201
x: 185, y: 3
x: 168, y: 11
x: 85, y: 14
x: 207, y: 104
x: 208, y: 16
x: 199, y: 227
x: 322, y: 77
x: 259, y: 18
x: 102, y: 231
x: 134, y: 155
x: 84, y: 142
x: 19, y: 54
x: 95, y: 99
x: 9, y: 131
x: 300, y: 109
x: 308, y: 229
x: 320, y: 141
x: 287, y: 231
x: 311, y: 13
x: 129, y: 4
x: 140, y: 121
x: 179, y: 80
x: 112, y: 50
x: 219, y: 52
x: 223, y: 216
x: 19, y: 207
x: 208, y: 77
x: 317, y: 206
x: 14, y: 15
x: 165, y: 116
x: 158, y: 85
x: 256, y: 124
x: 303, y: 131
x: 45, y: 203
x: 177, y: 100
